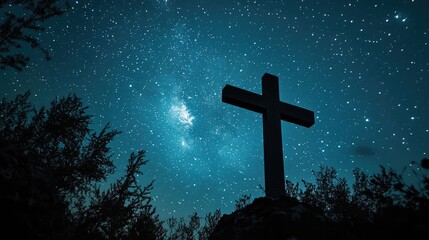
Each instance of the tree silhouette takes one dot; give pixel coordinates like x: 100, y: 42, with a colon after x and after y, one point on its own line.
x: 52, y: 168
x: 332, y: 194
x: 369, y: 196
x: 416, y: 196
x: 211, y: 220
x: 180, y: 229
x: 242, y: 201
x: 22, y: 20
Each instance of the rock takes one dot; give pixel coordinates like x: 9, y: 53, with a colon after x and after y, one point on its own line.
x: 281, y: 218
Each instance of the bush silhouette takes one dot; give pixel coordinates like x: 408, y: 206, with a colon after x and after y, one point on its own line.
x: 368, y: 195
x: 52, y: 168
x: 381, y: 205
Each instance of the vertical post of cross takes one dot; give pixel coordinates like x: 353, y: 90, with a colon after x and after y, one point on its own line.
x: 273, y: 148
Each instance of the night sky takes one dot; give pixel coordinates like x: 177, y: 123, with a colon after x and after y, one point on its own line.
x: 155, y: 70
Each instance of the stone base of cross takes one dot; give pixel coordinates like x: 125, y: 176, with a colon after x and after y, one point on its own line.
x: 273, y: 111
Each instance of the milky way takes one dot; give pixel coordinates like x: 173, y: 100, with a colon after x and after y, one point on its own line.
x: 155, y: 70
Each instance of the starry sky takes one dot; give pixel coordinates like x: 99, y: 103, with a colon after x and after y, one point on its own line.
x: 155, y: 70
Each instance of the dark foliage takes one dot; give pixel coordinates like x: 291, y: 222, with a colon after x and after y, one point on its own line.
x: 180, y: 229
x: 211, y: 220
x: 51, y: 170
x: 367, y: 198
x: 242, y: 201
x: 21, y: 21
x: 415, y: 196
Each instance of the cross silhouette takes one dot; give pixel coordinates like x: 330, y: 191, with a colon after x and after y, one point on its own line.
x: 273, y: 111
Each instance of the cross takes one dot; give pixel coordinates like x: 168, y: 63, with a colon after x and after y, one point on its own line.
x: 273, y: 111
